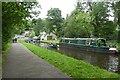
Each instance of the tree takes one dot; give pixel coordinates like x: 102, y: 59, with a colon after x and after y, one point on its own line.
x: 14, y: 16
x: 54, y: 20
x: 107, y: 30
x: 116, y: 8
x: 100, y: 19
x: 39, y: 26
x: 32, y: 34
x: 78, y: 25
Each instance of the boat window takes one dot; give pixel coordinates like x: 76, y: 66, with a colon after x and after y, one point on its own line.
x: 88, y: 42
x: 93, y: 42
x: 66, y: 41
x: 73, y: 41
x: 101, y: 42
x: 81, y: 42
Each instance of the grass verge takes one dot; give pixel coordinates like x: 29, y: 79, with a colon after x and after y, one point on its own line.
x: 73, y: 67
x: 0, y: 59
x: 4, y: 53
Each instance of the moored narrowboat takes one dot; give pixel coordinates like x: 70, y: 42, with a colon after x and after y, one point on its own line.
x: 88, y: 44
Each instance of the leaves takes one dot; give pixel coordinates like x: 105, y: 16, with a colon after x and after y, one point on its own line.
x: 116, y: 8
x: 54, y: 20
x: 14, y: 16
x: 77, y: 25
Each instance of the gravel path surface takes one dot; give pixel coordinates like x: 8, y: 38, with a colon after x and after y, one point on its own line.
x: 22, y: 63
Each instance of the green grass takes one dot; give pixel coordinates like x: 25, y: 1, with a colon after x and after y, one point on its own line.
x: 52, y: 41
x: 4, y: 53
x: 73, y: 67
x: 0, y: 58
x: 0, y: 65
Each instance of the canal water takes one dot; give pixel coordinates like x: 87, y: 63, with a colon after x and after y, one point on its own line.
x: 110, y: 62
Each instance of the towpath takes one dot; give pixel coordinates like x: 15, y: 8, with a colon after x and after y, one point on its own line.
x: 22, y: 63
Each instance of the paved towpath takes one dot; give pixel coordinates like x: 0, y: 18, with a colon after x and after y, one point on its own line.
x: 21, y: 63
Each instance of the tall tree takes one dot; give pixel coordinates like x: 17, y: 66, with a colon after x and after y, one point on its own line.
x: 55, y: 19
x: 14, y: 15
x: 116, y: 7
x: 77, y: 24
x: 39, y: 26
x: 100, y: 18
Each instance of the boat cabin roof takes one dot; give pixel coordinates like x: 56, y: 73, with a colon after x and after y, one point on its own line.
x: 83, y: 38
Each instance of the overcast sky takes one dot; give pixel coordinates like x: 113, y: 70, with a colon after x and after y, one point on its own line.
x: 66, y: 6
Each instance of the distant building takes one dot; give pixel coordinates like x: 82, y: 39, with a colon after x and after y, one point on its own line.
x: 45, y: 36
x: 28, y: 32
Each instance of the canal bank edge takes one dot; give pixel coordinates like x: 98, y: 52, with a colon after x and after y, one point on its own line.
x: 73, y: 67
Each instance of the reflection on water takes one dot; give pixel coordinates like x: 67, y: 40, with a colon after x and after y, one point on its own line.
x: 111, y: 62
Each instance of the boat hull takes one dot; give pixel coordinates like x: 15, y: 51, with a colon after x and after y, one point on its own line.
x: 87, y: 48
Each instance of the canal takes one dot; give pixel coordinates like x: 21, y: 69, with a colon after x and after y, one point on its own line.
x: 110, y: 62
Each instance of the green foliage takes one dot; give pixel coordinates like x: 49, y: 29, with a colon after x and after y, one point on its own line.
x: 78, y: 25
x: 46, y: 25
x: 32, y: 34
x: 107, y: 30
x: 115, y: 43
x: 54, y: 21
x: 5, y: 52
x: 38, y: 26
x: 14, y: 16
x: 116, y: 8
x: 91, y: 22
x: 118, y: 45
x: 100, y: 20
x: 73, y: 67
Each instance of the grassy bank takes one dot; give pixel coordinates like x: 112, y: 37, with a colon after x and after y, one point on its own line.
x: 3, y: 56
x: 4, y: 53
x: 0, y: 65
x: 73, y: 67
x: 52, y: 41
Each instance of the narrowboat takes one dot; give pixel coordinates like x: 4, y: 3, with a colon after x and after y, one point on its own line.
x: 87, y: 44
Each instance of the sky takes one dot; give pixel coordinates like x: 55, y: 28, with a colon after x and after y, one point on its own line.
x: 66, y: 6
